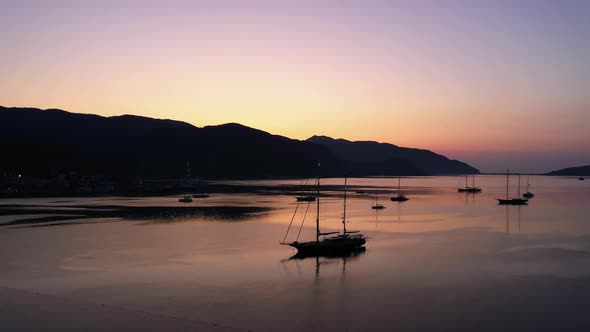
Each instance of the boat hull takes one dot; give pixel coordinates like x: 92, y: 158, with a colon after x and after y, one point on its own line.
x: 512, y: 201
x: 329, y: 246
x: 399, y: 199
x: 469, y: 190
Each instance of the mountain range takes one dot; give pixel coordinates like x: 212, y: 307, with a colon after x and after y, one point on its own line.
x: 572, y: 171
x: 43, y: 142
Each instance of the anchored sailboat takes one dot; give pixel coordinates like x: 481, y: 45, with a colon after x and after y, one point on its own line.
x: 377, y: 206
x: 467, y: 189
x: 399, y: 197
x: 323, y: 244
x: 512, y: 201
x: 528, y: 193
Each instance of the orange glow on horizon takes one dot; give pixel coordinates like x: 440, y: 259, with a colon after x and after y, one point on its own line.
x: 413, y: 75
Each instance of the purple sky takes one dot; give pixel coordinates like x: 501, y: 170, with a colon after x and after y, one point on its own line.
x: 494, y: 83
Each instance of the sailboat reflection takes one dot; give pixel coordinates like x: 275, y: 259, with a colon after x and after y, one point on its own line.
x: 399, y: 212
x: 472, y: 196
x: 518, y: 207
x: 352, y: 252
x: 377, y: 218
x: 329, y: 258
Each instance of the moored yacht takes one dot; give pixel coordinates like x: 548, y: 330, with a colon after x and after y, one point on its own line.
x: 399, y: 197
x: 328, y: 242
x: 512, y: 201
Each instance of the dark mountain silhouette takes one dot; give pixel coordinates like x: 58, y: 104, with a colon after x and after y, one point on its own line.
x: 415, y: 161
x: 44, y: 142
x: 35, y: 141
x: 572, y: 171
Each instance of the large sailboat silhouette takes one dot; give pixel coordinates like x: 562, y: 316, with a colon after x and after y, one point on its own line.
x: 326, y: 243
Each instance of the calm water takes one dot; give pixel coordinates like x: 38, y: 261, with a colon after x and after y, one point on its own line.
x: 441, y: 261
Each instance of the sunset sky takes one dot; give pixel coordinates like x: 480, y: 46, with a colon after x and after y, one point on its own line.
x: 494, y: 83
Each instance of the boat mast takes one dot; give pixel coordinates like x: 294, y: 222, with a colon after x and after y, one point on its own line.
x: 344, y: 213
x: 528, y: 184
x: 317, y: 219
x: 518, y: 185
x: 399, y: 179
x: 466, y: 182
x: 507, y: 176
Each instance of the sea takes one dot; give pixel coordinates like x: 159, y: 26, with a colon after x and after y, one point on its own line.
x: 441, y: 261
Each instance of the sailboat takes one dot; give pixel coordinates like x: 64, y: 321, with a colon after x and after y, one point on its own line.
x: 467, y: 189
x: 528, y: 193
x: 399, y: 197
x: 462, y: 190
x: 512, y: 201
x: 377, y: 206
x: 335, y: 243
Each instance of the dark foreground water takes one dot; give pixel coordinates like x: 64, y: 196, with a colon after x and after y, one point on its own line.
x: 442, y: 261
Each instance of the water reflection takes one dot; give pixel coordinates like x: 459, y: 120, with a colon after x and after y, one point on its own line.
x: 470, y: 198
x: 377, y: 218
x: 340, y: 254
x: 518, y: 218
x: 328, y: 258
x: 440, y: 268
x: 58, y: 215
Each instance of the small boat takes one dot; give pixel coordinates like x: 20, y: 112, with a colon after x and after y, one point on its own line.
x: 399, y: 197
x: 467, y: 189
x: 201, y: 195
x: 528, y: 193
x: 581, y: 178
x: 185, y: 199
x: 335, y: 243
x: 512, y: 201
x: 377, y: 206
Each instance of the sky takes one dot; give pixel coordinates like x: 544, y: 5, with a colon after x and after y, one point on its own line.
x: 496, y: 84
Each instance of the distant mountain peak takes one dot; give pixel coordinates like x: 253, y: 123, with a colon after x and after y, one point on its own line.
x: 323, y: 138
x: 388, y: 155
x: 232, y: 125
x: 237, y: 127
x: 572, y: 171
